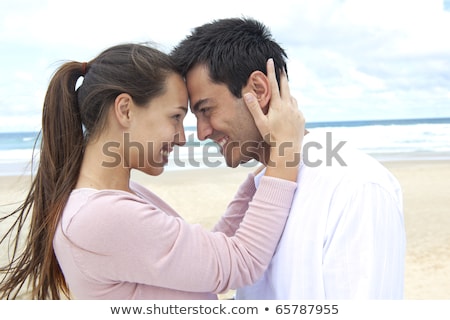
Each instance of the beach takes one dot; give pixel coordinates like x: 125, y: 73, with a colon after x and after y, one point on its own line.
x: 201, y: 196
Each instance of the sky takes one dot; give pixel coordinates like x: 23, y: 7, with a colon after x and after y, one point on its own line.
x: 348, y: 59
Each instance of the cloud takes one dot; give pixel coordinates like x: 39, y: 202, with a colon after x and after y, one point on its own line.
x: 354, y: 59
x: 363, y: 58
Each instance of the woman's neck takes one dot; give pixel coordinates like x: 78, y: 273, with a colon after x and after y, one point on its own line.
x: 102, y: 168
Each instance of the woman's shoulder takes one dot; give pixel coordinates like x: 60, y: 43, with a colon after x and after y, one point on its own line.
x: 96, y: 205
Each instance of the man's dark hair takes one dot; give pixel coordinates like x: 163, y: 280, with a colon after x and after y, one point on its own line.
x: 231, y: 49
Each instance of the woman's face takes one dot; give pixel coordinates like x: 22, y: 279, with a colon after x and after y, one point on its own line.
x: 157, y: 127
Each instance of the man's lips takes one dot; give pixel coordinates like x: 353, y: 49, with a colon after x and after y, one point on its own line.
x: 222, y: 142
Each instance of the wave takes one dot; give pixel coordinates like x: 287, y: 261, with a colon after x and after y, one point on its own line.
x: 387, y: 139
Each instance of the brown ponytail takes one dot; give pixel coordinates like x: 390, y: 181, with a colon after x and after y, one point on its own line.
x: 61, y: 153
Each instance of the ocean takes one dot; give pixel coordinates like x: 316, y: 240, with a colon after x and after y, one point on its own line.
x: 385, y: 140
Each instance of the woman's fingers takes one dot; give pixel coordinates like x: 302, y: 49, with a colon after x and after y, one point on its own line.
x: 259, y: 117
x: 278, y: 92
x: 283, y: 121
x: 275, y: 92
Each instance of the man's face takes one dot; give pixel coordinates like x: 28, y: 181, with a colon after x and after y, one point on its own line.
x: 222, y: 118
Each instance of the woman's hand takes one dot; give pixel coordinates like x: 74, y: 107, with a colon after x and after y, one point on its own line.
x: 282, y: 128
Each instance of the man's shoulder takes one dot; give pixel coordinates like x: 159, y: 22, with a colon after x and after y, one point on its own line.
x: 336, y: 159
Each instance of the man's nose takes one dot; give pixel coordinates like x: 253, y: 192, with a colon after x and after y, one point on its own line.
x: 204, y: 129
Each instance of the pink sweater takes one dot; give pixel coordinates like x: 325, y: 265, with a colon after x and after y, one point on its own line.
x: 112, y: 244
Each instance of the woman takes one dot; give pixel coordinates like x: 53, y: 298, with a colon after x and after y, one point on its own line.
x: 94, y: 234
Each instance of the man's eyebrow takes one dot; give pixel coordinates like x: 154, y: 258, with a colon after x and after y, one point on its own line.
x: 198, y: 104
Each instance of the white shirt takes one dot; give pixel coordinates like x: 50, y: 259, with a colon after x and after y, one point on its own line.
x: 345, y: 235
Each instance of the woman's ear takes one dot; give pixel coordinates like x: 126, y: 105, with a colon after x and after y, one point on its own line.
x: 258, y: 83
x: 122, y: 109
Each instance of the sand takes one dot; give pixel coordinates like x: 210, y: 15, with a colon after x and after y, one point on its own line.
x: 201, y: 195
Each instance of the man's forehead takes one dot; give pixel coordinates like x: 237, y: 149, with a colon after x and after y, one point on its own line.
x: 198, y: 85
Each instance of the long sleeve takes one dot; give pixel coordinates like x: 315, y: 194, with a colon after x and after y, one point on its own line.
x: 117, y: 238
x: 235, y: 212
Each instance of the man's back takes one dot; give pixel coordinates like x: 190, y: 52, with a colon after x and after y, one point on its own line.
x: 345, y: 236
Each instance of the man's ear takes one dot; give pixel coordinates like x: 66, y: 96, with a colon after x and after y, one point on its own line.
x: 258, y: 83
x: 122, y: 109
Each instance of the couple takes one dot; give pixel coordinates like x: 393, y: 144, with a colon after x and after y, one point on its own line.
x: 292, y: 231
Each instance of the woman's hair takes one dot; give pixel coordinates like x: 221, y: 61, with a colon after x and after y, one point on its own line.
x: 70, y: 117
x: 231, y: 49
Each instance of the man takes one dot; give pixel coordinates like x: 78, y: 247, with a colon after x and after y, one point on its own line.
x: 345, y: 236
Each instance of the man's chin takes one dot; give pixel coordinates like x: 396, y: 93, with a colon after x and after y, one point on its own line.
x: 234, y: 163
